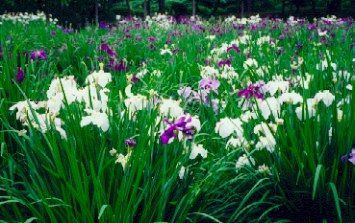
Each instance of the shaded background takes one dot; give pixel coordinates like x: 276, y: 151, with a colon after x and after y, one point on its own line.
x: 79, y: 12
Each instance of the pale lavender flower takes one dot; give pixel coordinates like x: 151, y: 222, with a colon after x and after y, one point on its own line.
x: 209, y: 84
x: 185, y: 92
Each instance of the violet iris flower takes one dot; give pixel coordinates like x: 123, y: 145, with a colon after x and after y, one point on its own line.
x: 251, y: 91
x: 20, y: 76
x: 254, y: 27
x: 151, y: 39
x: 180, y: 125
x: 312, y: 27
x: 130, y: 142
x: 299, y: 45
x: 224, y: 62
x: 135, y: 79
x: 120, y: 67
x: 39, y: 54
x: 176, y: 50
x: 103, y: 25
x: 233, y: 47
x: 105, y: 47
x: 349, y: 157
x: 327, y: 22
x: 68, y: 30
x: 152, y: 47
x: 115, y: 66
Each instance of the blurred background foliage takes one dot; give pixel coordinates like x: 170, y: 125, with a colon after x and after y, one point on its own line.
x: 78, y: 12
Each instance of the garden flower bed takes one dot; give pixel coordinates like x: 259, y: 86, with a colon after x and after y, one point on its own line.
x: 177, y: 120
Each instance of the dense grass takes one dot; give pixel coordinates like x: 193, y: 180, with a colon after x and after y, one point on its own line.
x: 259, y: 158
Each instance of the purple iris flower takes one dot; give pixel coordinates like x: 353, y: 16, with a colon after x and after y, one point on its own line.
x: 152, y: 47
x: 209, y: 84
x: 199, y: 28
x: 251, y: 91
x: 105, y: 47
x: 254, y: 27
x: 20, y: 76
x: 312, y: 27
x: 112, y: 61
x: 103, y: 25
x: 299, y: 45
x: 135, y: 79
x: 180, y: 125
x: 130, y: 142
x: 233, y: 47
x: 1, y: 52
x: 151, y: 39
x: 39, y: 54
x: 68, y: 30
x: 327, y: 22
x: 120, y: 67
x: 176, y: 50
x: 224, y: 62
x: 349, y: 157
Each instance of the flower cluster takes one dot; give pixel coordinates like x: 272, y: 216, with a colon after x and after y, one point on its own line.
x: 63, y: 92
x: 26, y: 18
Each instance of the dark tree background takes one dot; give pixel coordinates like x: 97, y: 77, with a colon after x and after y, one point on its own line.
x: 80, y: 11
